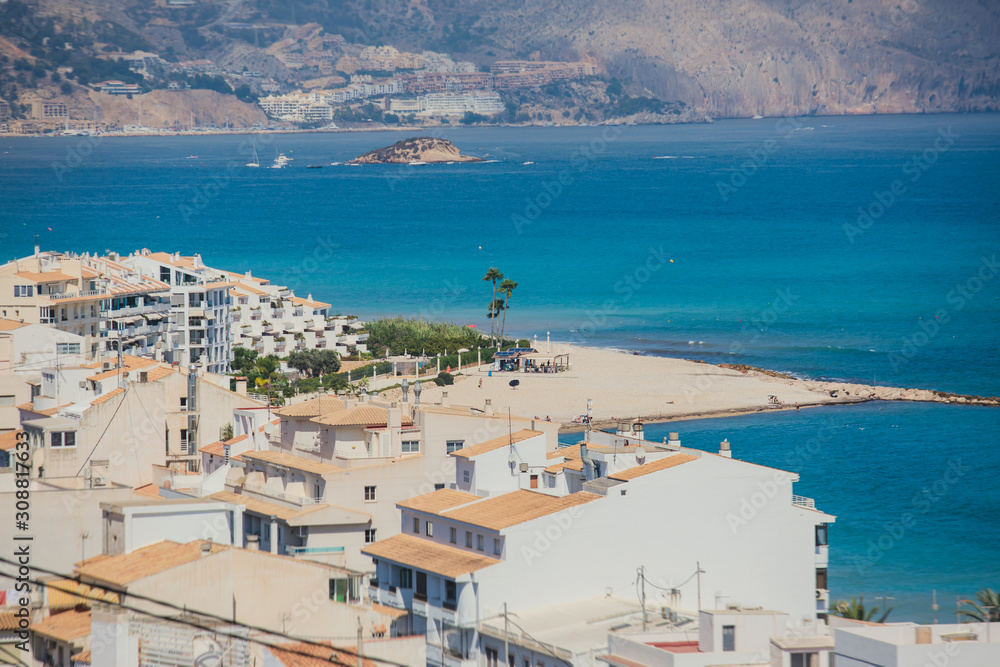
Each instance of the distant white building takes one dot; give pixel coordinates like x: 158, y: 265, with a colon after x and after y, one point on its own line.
x: 300, y: 107
x: 451, y: 104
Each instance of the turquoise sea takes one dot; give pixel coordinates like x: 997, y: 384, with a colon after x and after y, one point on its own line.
x: 860, y: 248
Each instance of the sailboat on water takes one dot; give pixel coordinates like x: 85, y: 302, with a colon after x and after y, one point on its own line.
x: 255, y: 162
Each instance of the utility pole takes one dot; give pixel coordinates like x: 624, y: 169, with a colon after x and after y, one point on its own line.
x: 698, y: 573
x: 642, y: 578
x: 360, y: 644
x: 506, y: 636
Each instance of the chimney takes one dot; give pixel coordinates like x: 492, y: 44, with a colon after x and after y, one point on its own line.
x: 253, y: 543
x: 588, y: 468
x: 923, y: 635
x: 488, y: 409
x: 724, y: 449
x: 206, y: 547
x: 675, y: 439
x: 444, y: 399
x: 394, y: 432
x: 241, y: 385
x: 109, y: 630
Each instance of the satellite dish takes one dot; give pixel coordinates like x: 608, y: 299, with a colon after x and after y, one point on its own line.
x: 511, y: 459
x: 269, y: 428
x: 640, y: 454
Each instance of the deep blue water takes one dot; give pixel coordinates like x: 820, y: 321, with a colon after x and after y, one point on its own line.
x: 770, y: 265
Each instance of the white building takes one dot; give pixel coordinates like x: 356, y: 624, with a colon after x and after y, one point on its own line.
x: 585, y: 531
x: 451, y: 104
x: 968, y: 644
x: 297, y: 107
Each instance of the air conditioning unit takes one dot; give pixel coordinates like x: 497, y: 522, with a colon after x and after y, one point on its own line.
x: 83, y: 384
x: 108, y: 365
x: 100, y: 481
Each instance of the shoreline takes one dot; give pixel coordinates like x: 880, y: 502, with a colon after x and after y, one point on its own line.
x: 626, y: 387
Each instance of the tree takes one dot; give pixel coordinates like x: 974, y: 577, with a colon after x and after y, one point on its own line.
x: 494, y: 275
x: 507, y: 286
x: 494, y: 312
x: 986, y: 609
x: 855, y: 609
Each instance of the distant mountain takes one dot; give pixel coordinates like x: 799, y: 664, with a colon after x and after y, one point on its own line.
x: 721, y: 58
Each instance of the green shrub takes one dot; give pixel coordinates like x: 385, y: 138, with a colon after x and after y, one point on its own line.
x: 444, y: 378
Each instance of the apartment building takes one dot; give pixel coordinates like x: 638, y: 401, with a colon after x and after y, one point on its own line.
x: 298, y: 107
x: 111, y: 306
x: 461, y: 557
x: 325, y: 482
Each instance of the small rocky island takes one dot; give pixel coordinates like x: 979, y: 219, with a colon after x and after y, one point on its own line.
x: 416, y: 149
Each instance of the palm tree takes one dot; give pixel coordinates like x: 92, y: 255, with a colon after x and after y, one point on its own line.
x: 494, y: 312
x: 986, y: 610
x: 494, y: 275
x: 855, y: 609
x: 507, y: 286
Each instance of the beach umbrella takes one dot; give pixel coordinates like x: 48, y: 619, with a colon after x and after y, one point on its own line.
x: 460, y: 351
x: 513, y: 383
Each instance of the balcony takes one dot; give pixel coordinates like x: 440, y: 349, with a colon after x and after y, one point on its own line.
x: 288, y: 498
x: 802, y: 501
x: 390, y: 596
x: 822, y: 556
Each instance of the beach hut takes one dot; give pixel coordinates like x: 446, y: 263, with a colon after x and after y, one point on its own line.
x: 543, y: 362
x: 510, y: 360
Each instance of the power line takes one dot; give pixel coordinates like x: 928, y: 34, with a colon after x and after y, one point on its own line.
x: 199, y: 626
x: 171, y: 605
x: 110, y: 422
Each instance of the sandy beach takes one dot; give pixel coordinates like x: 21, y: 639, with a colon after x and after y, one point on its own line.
x: 624, y: 386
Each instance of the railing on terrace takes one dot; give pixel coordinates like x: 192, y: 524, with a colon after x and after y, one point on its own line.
x: 69, y: 295
x: 298, y: 500
x: 802, y: 501
x: 292, y: 551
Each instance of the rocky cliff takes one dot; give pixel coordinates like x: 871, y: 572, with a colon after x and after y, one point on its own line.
x: 423, y: 149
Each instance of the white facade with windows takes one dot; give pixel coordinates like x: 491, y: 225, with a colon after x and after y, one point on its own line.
x: 523, y: 549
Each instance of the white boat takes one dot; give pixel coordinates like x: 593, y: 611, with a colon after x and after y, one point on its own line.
x: 255, y: 162
x: 334, y: 164
x: 280, y: 162
x: 526, y: 163
x: 414, y: 163
x: 758, y: 117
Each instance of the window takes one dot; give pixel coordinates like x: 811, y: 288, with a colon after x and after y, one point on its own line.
x: 369, y: 493
x: 184, y: 403
x: 369, y: 535
x: 7, y: 401
x: 454, y: 445
x: 804, y: 659
x: 466, y: 476
x: 438, y: 487
x: 429, y: 529
x: 492, y: 657
x: 450, y: 591
x: 468, y: 540
x: 480, y: 541
x: 62, y: 439
x: 497, y: 548
x: 821, y: 578
x: 164, y: 275
x: 416, y: 525
x: 405, y: 577
x: 24, y: 290
x: 345, y: 590
x: 453, y: 535
x: 184, y: 441
x: 67, y: 348
x: 821, y: 535
x: 411, y: 446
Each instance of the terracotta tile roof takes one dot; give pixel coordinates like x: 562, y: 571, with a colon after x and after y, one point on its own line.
x: 438, y: 501
x: 314, y: 407
x: 429, y: 556
x: 158, y: 373
x: 248, y: 289
x: 129, y: 363
x: 495, y: 443
x: 64, y: 593
x: 318, y: 657
x: 216, y: 448
x: 570, y: 464
x: 150, y: 490
x: 10, y: 325
x: 517, y: 507
x: 218, y: 285
x: 30, y: 407
x: 46, y: 277
x: 391, y: 612
x: 83, y: 657
x: 265, y: 508
x: 65, y: 626
x: 571, y: 452
x: 655, y: 466
x: 167, y: 258
x: 8, y: 441
x: 123, y: 569
x: 108, y: 396
x: 361, y: 415
x: 308, y: 302
x: 8, y: 621
x: 292, y: 461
